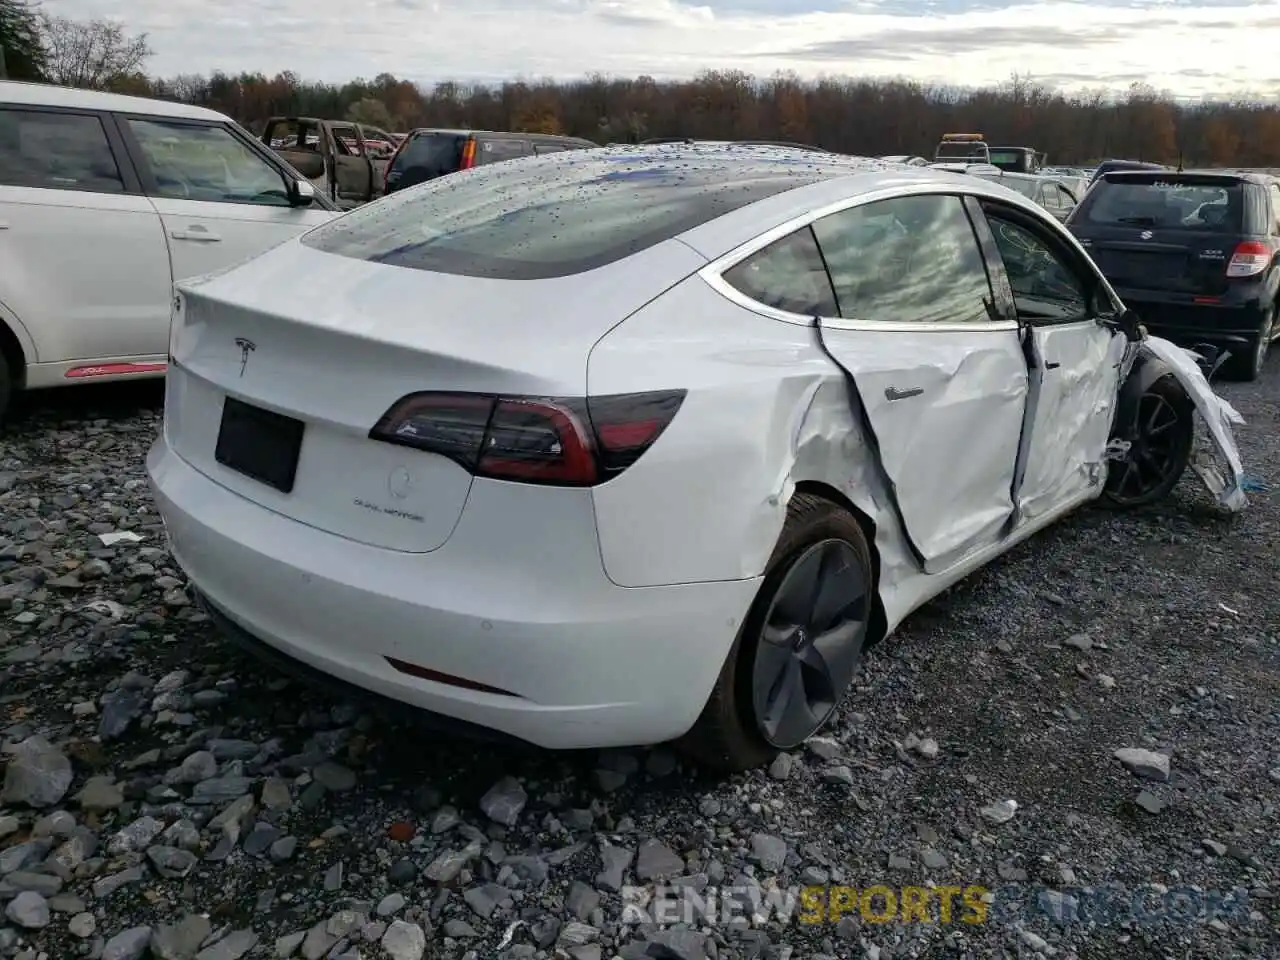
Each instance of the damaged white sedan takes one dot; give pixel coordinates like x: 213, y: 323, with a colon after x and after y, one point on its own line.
x: 652, y: 443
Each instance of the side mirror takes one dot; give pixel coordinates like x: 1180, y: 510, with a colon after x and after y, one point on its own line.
x: 1131, y: 325
x: 301, y: 193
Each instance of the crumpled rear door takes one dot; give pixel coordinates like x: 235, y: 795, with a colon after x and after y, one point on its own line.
x: 946, y: 409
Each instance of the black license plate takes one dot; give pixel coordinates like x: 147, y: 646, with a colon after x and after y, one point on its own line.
x: 259, y: 443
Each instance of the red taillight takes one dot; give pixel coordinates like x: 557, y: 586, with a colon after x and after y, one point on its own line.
x: 551, y: 440
x: 468, y: 159
x: 1250, y: 258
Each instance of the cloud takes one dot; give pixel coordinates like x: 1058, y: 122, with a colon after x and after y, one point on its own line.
x: 1073, y: 43
x: 909, y: 43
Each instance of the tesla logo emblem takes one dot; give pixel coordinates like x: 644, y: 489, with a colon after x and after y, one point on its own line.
x: 246, y: 347
x: 399, y: 482
x: 1145, y: 235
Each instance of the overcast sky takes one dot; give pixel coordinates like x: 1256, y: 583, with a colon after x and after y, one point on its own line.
x: 1193, y: 47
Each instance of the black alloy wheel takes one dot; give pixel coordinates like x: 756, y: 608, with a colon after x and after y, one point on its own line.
x: 809, y: 643
x: 798, y: 647
x: 1160, y: 435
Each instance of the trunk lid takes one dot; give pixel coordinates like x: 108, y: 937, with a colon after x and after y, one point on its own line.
x: 1182, y: 261
x: 333, y: 342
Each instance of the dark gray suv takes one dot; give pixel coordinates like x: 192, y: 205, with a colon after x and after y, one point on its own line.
x: 427, y: 153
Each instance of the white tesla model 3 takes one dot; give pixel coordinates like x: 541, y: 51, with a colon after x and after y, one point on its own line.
x: 643, y: 444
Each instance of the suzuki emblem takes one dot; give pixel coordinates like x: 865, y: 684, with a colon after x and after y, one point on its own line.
x: 1145, y: 235
x: 246, y: 347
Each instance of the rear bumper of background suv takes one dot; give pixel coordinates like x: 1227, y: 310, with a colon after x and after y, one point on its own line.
x: 516, y: 604
x: 1234, y: 318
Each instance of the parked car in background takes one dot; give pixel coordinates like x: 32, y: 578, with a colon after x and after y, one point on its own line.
x: 105, y: 201
x: 1050, y: 192
x: 963, y: 148
x: 744, y: 143
x: 1196, y: 254
x: 1017, y: 159
x: 758, y: 404
x: 428, y: 153
x: 962, y: 166
x: 346, y: 161
x: 1106, y: 166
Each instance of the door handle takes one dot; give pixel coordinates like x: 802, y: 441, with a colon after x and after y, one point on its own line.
x: 893, y: 393
x: 4, y: 225
x: 198, y: 233
x: 1050, y: 365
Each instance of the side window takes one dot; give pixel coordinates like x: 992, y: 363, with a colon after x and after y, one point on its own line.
x: 787, y: 275
x: 206, y: 162
x: 1275, y: 208
x: 907, y: 260
x: 56, y: 151
x: 346, y: 143
x: 541, y: 148
x: 499, y: 149
x: 1044, y: 287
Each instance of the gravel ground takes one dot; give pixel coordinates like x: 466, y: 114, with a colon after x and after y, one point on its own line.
x: 163, y: 793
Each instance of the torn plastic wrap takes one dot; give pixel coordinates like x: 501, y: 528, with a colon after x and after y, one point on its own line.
x: 1219, y: 416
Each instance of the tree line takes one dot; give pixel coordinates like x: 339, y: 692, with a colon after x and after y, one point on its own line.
x: 848, y: 115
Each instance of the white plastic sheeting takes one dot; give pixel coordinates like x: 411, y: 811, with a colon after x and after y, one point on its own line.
x: 1218, y: 415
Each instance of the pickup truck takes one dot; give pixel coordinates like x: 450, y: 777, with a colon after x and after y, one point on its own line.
x: 346, y: 161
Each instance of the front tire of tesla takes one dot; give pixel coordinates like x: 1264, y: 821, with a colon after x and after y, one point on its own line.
x: 799, y: 646
x: 1161, y: 434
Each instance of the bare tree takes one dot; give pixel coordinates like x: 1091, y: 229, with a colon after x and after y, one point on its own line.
x: 94, y: 54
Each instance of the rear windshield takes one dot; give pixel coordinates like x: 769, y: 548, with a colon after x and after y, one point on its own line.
x: 1164, y: 202
x: 559, y: 215
x: 1006, y: 156
x: 437, y: 153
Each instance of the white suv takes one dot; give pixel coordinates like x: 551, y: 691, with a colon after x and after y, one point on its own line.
x: 105, y: 201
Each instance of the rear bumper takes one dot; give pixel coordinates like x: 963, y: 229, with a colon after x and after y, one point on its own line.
x: 1182, y: 320
x: 517, y: 601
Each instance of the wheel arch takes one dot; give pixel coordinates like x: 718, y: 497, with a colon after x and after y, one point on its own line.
x: 1146, y: 370
x: 877, y: 628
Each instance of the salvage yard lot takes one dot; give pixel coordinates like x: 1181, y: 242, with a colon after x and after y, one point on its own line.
x: 1157, y: 630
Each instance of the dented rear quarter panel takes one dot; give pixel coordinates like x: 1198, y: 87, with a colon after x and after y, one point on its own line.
x: 710, y: 470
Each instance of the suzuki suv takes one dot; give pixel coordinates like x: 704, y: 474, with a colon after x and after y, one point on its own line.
x: 1196, y: 255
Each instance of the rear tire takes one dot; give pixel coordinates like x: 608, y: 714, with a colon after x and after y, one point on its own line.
x: 753, y: 711
x: 1247, y: 367
x: 6, y: 388
x: 1161, y: 433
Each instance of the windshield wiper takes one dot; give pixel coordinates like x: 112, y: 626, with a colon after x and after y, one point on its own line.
x: 1138, y: 221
